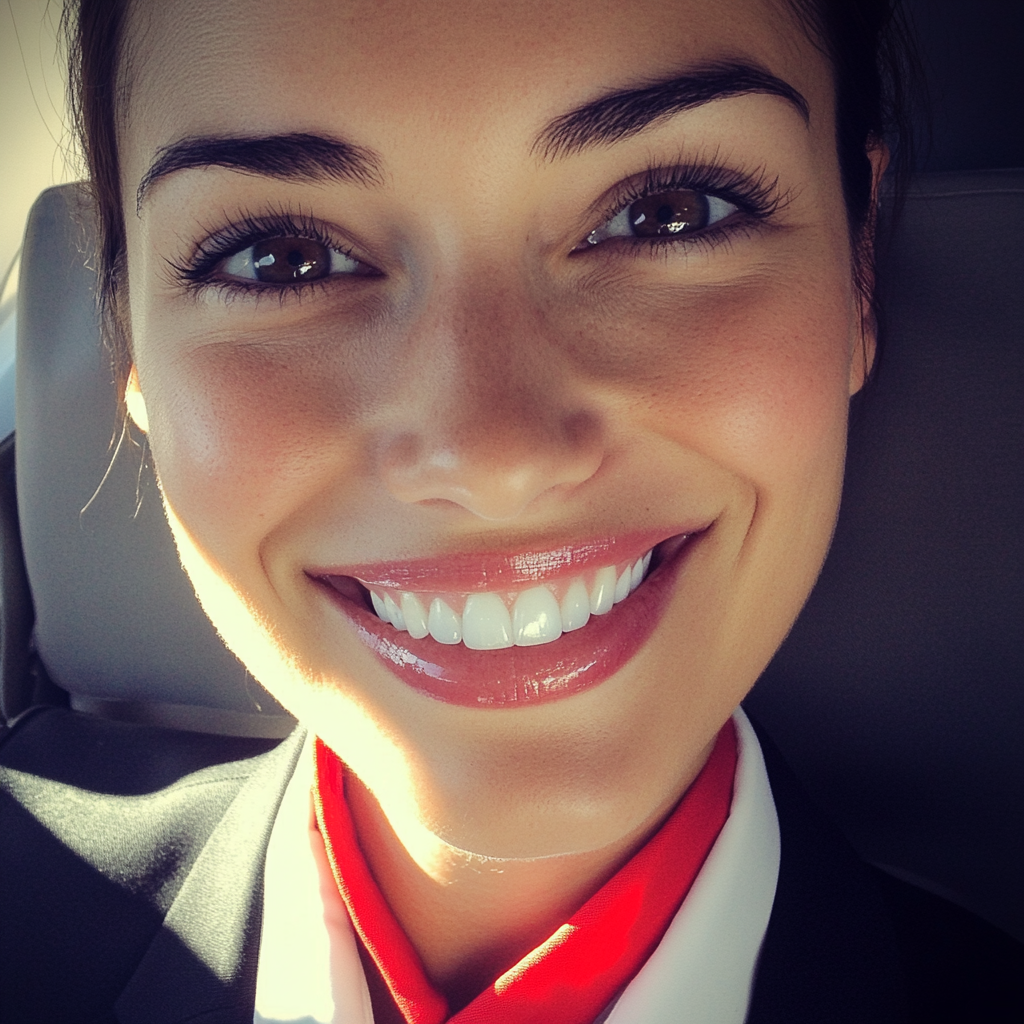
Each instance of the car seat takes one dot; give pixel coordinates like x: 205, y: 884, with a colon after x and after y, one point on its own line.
x: 99, y: 609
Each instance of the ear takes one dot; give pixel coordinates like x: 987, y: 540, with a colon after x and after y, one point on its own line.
x: 864, y: 356
x: 134, y: 402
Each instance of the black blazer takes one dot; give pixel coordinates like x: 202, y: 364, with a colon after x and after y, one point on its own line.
x: 131, y: 875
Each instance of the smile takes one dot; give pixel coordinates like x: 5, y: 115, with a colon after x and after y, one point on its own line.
x: 505, y: 631
x: 493, y: 620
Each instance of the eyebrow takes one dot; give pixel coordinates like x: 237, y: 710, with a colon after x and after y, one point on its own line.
x: 623, y: 113
x: 294, y: 157
x: 618, y: 115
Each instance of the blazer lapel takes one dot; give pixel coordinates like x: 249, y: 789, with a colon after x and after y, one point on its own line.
x: 202, y: 964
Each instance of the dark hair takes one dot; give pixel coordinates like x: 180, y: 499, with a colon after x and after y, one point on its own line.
x: 866, y: 42
x: 93, y: 32
x: 878, y: 82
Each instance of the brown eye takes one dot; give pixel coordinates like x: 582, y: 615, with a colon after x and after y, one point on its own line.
x: 668, y: 213
x: 284, y: 260
x: 674, y: 213
x: 289, y: 260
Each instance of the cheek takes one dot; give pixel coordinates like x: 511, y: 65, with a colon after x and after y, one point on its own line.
x: 774, y: 399
x: 758, y: 387
x: 244, y: 436
x: 755, y: 377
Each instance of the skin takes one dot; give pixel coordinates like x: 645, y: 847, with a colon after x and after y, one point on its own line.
x: 495, y: 387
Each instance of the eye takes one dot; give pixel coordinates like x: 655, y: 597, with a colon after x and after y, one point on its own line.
x: 289, y: 261
x: 668, y: 214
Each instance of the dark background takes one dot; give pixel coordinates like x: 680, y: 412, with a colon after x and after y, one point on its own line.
x: 898, y: 698
x: 973, y: 52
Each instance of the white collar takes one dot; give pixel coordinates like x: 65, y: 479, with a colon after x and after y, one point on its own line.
x: 309, y: 969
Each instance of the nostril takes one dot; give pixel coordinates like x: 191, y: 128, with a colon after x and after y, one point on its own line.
x: 494, y: 467
x: 581, y: 431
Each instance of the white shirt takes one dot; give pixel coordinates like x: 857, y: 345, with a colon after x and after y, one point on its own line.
x: 702, y: 970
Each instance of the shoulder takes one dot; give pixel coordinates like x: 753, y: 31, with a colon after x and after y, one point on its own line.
x: 100, y: 823
x: 117, y: 758
x: 848, y: 942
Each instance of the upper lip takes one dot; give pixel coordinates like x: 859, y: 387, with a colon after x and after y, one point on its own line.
x: 467, y: 572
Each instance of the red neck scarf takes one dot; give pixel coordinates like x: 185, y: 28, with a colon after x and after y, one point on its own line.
x: 577, y: 972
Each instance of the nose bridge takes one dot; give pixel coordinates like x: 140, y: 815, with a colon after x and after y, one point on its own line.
x: 489, y: 418
x: 498, y: 347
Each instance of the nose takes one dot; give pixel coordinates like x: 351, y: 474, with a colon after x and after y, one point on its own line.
x: 491, y: 415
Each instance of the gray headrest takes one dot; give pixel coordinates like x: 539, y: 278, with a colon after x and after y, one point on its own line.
x: 116, y: 618
x: 899, y: 695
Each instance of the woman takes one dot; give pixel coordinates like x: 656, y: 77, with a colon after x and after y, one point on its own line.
x: 495, y: 361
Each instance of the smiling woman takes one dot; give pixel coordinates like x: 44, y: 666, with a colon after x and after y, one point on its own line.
x: 498, y: 398
x: 513, y: 357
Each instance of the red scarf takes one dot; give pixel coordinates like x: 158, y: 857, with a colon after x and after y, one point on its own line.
x: 573, y: 976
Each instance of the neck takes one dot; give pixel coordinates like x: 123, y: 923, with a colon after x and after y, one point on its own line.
x: 471, y: 918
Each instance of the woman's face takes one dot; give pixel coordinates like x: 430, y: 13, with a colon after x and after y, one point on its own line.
x: 460, y: 349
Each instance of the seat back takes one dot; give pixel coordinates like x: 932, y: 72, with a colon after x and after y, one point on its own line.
x: 117, y: 625
x: 899, y: 695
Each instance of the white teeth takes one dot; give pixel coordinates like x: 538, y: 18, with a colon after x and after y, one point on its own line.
x: 635, y: 576
x: 379, y: 606
x: 415, y: 616
x: 486, y: 623
x: 622, y: 585
x: 394, y: 613
x: 536, y: 618
x: 603, y: 591
x: 575, y: 607
x: 445, y: 625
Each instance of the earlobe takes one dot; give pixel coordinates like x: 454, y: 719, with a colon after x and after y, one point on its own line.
x: 864, y: 355
x: 135, y: 403
x: 879, y: 155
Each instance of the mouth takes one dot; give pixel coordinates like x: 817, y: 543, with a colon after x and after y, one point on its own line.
x: 502, y: 631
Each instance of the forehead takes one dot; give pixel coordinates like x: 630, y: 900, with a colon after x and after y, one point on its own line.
x: 485, y: 70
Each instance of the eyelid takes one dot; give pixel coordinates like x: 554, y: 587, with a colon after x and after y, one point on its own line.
x: 754, y: 193
x: 198, y: 270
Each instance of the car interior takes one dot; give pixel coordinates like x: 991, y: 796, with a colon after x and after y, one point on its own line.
x: 898, y: 698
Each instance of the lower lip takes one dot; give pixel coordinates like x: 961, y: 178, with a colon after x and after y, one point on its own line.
x: 522, y: 676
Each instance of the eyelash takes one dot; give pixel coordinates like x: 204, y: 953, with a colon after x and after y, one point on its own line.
x: 755, y: 195
x: 197, y: 271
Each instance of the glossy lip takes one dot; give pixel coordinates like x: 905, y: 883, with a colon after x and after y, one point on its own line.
x: 518, y: 676
x: 468, y: 572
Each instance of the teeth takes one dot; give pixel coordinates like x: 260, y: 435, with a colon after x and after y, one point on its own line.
x: 622, y: 585
x: 444, y: 624
x: 575, y: 607
x: 634, y: 580
x: 486, y: 623
x: 378, y: 606
x: 537, y: 616
x: 415, y: 616
x: 394, y: 613
x: 603, y: 591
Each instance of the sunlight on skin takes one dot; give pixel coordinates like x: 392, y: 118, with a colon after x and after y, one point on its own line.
x: 494, y: 388
x: 455, y: 913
